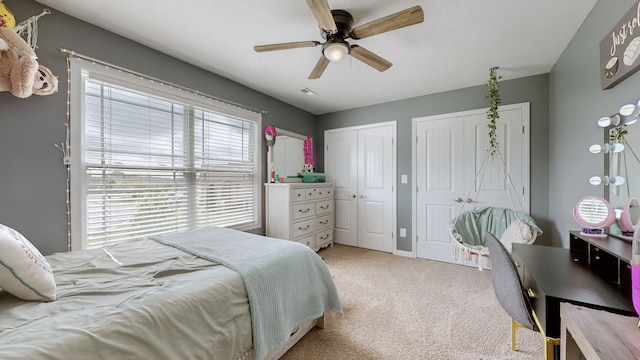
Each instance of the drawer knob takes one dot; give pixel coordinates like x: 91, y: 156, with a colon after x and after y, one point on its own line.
x: 304, y: 211
x: 531, y: 293
x: 325, y: 207
x: 324, y: 222
x: 303, y: 228
x: 324, y: 237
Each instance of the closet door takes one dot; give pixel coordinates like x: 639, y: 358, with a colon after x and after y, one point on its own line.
x: 341, y: 169
x: 449, y: 154
x: 375, y: 188
x: 439, y: 182
x: 360, y: 164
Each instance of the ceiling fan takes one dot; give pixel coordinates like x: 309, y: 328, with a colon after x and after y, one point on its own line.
x: 335, y: 26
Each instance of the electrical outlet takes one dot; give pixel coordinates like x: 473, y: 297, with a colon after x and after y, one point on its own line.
x: 403, y: 232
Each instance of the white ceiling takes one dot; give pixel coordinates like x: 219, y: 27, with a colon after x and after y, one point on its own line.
x: 453, y: 48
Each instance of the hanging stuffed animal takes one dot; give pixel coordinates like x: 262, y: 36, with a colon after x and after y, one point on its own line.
x: 6, y: 17
x: 20, y: 73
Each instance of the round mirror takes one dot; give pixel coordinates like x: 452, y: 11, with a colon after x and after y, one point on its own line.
x: 630, y: 217
x: 593, y: 213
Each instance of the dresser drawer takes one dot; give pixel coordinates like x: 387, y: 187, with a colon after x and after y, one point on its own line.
x: 323, y: 222
x: 328, y: 193
x: 298, y: 194
x: 302, y: 228
x: 313, y: 194
x: 310, y: 241
x: 324, y: 207
x: 324, y: 237
x: 304, y: 210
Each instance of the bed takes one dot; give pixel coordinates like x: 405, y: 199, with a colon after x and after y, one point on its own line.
x: 210, y: 293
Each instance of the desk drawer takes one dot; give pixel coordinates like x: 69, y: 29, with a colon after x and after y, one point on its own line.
x: 604, y: 264
x: 579, y: 249
x: 537, y: 299
x: 625, y: 278
x: 519, y: 266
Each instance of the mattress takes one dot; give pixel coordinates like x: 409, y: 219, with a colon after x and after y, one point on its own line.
x: 137, y: 300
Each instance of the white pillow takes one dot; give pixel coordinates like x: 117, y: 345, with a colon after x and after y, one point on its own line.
x: 517, y: 232
x: 24, y: 272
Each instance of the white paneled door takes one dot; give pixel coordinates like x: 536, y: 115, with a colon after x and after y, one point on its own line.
x: 449, y: 155
x: 361, y: 165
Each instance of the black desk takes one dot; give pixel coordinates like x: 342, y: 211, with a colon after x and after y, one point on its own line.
x: 552, y: 276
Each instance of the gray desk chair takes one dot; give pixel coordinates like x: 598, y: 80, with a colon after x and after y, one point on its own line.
x: 511, y: 294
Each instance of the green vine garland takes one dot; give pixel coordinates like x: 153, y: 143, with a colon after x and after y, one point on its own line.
x: 617, y: 134
x: 493, y: 95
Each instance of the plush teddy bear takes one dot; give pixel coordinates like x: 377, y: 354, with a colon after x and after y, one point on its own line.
x: 20, y: 72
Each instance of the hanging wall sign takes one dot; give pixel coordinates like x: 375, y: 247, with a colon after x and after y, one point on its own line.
x: 620, y: 49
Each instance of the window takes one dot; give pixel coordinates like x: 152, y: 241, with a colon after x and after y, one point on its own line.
x: 149, y: 159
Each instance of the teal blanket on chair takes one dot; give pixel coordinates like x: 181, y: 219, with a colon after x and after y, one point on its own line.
x: 470, y: 226
x: 287, y: 282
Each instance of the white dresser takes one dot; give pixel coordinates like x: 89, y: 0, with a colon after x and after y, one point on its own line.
x: 302, y: 212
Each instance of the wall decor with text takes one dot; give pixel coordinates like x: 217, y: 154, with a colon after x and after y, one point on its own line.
x: 620, y: 49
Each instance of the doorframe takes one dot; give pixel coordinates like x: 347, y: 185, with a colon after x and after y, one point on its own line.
x: 526, y: 142
x: 394, y: 168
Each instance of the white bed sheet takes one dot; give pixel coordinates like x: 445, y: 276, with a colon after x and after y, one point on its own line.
x: 149, y: 301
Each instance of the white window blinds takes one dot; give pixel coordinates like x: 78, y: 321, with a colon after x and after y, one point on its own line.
x: 158, y: 160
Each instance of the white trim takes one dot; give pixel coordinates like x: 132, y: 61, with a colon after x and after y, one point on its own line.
x: 403, y: 253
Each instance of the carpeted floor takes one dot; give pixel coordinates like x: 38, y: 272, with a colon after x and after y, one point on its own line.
x: 401, y: 308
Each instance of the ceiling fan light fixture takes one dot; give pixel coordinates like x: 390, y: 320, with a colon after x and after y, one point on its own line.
x: 335, y: 50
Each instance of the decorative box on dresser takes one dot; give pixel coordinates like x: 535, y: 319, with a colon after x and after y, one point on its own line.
x: 302, y: 212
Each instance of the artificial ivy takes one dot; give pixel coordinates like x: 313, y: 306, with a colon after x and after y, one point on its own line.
x: 493, y: 95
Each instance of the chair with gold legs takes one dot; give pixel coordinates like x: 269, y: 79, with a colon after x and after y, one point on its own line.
x: 511, y: 295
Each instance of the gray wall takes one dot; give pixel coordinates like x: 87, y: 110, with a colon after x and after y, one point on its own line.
x: 531, y: 89
x: 576, y: 102
x: 564, y: 107
x: 33, y: 178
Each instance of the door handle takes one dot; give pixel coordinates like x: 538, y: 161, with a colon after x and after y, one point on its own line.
x: 353, y: 196
x: 361, y: 196
x: 469, y: 200
x: 458, y: 200
x: 531, y: 293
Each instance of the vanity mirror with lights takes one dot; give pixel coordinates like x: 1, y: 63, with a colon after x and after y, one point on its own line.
x: 608, y: 222
x: 621, y: 178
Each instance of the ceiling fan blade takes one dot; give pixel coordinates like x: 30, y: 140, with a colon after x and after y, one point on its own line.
x: 322, y: 13
x: 369, y: 58
x: 284, y: 46
x: 410, y: 16
x: 319, y: 69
